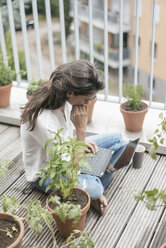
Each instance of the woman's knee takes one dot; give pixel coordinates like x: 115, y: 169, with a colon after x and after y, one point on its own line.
x: 92, y: 185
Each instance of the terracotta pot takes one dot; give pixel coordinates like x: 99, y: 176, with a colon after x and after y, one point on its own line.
x: 65, y: 229
x: 133, y: 119
x: 163, y: 246
x: 18, y: 242
x: 90, y: 109
x: 5, y: 95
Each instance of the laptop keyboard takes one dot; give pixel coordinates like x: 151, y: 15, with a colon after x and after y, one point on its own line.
x: 98, y: 162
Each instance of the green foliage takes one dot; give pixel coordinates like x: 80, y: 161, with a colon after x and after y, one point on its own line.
x: 7, y: 74
x: 21, y: 56
x: 134, y: 95
x: 84, y: 242
x: 159, y: 136
x: 36, y: 214
x: 9, y: 231
x: 54, y: 5
x: 65, y: 160
x: 16, y: 12
x: 33, y: 86
x: 4, y: 164
x: 66, y: 209
x: 151, y: 197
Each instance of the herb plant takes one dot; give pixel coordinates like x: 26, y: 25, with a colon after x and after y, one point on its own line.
x: 4, y: 164
x: 66, y: 158
x: 33, y: 86
x: 151, y: 197
x: 159, y: 136
x: 7, y: 75
x: 68, y: 209
x: 36, y: 214
x: 134, y: 95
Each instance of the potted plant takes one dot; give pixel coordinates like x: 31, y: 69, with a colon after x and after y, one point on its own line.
x: 33, y: 86
x: 65, y: 160
x: 133, y: 110
x: 7, y: 75
x: 12, y: 227
x: 35, y: 216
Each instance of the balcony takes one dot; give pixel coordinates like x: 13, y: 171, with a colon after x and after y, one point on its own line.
x: 98, y: 18
x: 127, y: 223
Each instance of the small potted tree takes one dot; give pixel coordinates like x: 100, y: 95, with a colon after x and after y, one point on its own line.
x: 133, y: 110
x: 7, y: 75
x: 66, y: 158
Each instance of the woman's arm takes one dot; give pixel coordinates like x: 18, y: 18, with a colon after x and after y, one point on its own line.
x: 79, y: 117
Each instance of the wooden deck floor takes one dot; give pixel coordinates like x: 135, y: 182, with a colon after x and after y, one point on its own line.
x: 126, y: 224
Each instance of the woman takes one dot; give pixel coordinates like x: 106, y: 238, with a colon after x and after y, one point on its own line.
x: 62, y: 103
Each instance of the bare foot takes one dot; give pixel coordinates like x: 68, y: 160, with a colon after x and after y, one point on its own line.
x: 100, y: 204
x: 110, y: 169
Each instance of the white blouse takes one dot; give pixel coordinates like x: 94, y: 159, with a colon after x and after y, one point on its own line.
x: 33, y: 142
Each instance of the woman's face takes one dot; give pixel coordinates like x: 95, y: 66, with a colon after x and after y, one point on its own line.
x: 80, y: 99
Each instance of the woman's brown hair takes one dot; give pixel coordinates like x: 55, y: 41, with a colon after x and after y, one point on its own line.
x: 79, y: 77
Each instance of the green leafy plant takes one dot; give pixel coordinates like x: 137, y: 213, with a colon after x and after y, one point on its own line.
x: 66, y: 158
x: 4, y: 164
x: 7, y: 74
x: 33, y: 86
x: 66, y: 209
x: 159, y: 136
x: 151, y: 198
x: 134, y: 95
x: 34, y: 217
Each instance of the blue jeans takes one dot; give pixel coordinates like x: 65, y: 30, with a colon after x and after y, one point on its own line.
x: 93, y: 185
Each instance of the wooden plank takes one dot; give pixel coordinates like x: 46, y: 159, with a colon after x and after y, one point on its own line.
x: 11, y: 151
x: 160, y: 234
x: 15, y: 171
x: 3, y: 127
x: 142, y: 224
x: 116, y: 180
x: 121, y: 206
x: 9, y: 136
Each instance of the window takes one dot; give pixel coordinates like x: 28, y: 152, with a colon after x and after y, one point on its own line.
x: 154, y: 84
x: 139, y: 42
x: 155, y: 50
x: 115, y: 40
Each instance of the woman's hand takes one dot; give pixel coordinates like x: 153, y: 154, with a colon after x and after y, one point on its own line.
x: 79, y: 117
x: 92, y: 147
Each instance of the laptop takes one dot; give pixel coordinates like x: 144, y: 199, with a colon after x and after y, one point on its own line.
x: 100, y: 161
